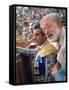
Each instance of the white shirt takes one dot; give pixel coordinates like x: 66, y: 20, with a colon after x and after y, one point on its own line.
x: 61, y: 56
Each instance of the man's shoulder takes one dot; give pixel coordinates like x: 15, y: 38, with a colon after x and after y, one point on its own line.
x: 48, y: 49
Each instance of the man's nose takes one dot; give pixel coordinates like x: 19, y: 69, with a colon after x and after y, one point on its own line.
x: 47, y: 31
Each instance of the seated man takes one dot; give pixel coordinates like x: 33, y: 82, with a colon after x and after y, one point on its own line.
x: 46, y: 52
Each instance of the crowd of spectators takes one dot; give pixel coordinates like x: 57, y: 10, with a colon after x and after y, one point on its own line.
x: 27, y: 16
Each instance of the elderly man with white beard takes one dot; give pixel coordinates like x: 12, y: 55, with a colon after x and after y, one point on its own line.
x: 55, y: 33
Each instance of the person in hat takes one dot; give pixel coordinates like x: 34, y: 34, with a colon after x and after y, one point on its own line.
x: 45, y: 49
x: 39, y: 38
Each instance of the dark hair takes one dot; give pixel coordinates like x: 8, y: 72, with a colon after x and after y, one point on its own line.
x: 37, y: 26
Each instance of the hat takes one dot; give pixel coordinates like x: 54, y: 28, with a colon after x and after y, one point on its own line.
x: 37, y: 25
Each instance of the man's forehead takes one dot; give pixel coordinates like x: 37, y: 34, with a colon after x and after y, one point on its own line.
x: 36, y: 31
x: 44, y: 22
x: 48, y: 20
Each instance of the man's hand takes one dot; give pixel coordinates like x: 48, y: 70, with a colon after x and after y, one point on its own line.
x: 56, y: 68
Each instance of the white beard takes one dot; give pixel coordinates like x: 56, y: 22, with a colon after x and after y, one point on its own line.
x: 54, y: 35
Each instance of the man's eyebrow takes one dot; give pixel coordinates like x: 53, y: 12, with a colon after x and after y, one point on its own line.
x: 38, y: 33
x: 48, y: 24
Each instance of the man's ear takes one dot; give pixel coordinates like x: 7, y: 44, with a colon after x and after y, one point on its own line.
x: 58, y: 23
